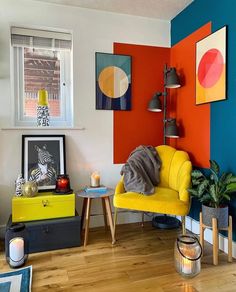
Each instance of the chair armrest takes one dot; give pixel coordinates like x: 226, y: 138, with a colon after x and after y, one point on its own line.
x: 120, y: 188
x: 185, y: 181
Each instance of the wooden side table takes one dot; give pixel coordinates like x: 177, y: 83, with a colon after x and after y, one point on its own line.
x: 106, y: 205
x: 215, y: 234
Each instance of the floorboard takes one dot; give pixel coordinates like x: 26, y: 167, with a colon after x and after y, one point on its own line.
x: 141, y: 260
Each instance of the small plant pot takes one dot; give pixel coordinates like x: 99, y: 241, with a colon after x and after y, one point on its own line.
x: 221, y: 214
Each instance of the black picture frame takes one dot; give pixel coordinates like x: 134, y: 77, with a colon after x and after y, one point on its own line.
x: 43, y: 158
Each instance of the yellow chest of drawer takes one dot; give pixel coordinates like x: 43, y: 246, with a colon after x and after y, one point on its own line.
x: 43, y: 206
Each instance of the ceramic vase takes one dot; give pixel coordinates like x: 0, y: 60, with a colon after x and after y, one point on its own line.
x: 19, y: 185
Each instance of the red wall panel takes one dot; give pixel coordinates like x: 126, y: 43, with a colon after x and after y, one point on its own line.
x: 139, y: 126
x: 194, y: 121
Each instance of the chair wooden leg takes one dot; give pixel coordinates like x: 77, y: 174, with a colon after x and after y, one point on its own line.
x: 115, y: 221
x: 142, y: 219
x: 183, y: 225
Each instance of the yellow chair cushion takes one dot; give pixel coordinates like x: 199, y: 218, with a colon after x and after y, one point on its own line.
x: 171, y: 196
x: 164, y: 200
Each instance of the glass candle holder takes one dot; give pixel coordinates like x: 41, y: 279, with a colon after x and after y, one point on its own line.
x: 188, y: 252
x: 63, y: 184
x: 95, y: 179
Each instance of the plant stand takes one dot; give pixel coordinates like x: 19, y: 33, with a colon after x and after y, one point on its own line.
x: 215, y: 234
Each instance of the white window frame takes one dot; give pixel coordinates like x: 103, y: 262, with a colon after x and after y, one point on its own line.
x: 66, y: 93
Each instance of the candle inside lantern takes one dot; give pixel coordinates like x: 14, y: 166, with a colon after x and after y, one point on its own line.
x: 16, y: 252
x: 63, y: 183
x: 95, y: 179
x: 187, y: 266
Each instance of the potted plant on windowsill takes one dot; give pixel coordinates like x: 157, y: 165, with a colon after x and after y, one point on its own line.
x: 213, y: 191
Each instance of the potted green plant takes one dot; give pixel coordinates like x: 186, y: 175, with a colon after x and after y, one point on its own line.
x: 213, y: 191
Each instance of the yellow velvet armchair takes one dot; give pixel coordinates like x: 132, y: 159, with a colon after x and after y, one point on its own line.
x: 171, y: 195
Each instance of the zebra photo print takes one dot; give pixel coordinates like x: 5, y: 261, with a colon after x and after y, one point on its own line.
x: 43, y: 158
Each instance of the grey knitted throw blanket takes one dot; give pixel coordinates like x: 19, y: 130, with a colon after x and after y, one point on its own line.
x: 141, y: 171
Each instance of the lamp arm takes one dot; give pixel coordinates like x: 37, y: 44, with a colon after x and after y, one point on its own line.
x: 164, y: 112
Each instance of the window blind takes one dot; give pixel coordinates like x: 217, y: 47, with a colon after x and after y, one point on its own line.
x: 34, y: 38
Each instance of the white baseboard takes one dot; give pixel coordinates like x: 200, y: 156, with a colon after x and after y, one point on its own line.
x: 124, y: 217
x: 194, y: 226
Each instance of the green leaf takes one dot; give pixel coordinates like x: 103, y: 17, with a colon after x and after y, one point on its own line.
x: 232, y: 179
x: 196, y: 182
x: 213, y: 194
x: 196, y: 174
x: 228, y: 178
x: 226, y: 196
x: 202, y: 187
x: 205, y: 199
x: 231, y: 188
x: 223, y: 177
x: 214, y: 167
x: 193, y: 192
x: 213, y: 177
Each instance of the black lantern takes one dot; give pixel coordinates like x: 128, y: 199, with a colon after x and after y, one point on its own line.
x: 16, y: 245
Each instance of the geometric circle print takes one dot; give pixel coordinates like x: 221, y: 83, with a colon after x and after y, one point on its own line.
x: 210, y: 68
x: 113, y: 81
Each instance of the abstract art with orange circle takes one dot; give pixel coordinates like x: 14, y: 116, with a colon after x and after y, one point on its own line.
x: 113, y: 81
x: 211, y: 67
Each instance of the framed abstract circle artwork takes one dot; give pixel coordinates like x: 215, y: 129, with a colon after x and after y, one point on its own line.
x: 211, y: 67
x: 113, y: 82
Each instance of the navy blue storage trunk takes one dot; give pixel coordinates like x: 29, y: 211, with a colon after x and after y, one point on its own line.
x: 51, y: 234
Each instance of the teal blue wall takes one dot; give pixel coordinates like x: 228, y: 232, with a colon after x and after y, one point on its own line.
x: 223, y: 113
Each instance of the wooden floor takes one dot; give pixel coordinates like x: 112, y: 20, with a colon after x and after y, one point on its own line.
x: 141, y: 260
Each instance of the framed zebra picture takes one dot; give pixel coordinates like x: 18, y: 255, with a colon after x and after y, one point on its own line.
x: 43, y: 158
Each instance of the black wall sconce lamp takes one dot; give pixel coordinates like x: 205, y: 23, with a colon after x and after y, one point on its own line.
x: 171, y: 80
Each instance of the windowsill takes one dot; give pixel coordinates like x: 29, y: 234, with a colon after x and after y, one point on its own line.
x: 43, y: 128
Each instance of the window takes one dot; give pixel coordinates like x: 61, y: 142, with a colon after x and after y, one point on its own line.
x: 42, y: 61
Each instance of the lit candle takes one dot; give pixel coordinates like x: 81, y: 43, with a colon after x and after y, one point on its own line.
x: 187, y: 266
x: 95, y: 179
x: 62, y: 183
x: 16, y: 251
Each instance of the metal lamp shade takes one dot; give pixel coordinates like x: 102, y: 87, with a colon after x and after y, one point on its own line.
x: 172, y: 79
x: 155, y: 103
x: 171, y: 129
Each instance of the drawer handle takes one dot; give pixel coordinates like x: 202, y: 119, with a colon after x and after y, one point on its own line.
x: 45, y: 203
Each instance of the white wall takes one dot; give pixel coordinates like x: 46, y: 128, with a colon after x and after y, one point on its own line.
x: 91, y: 149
